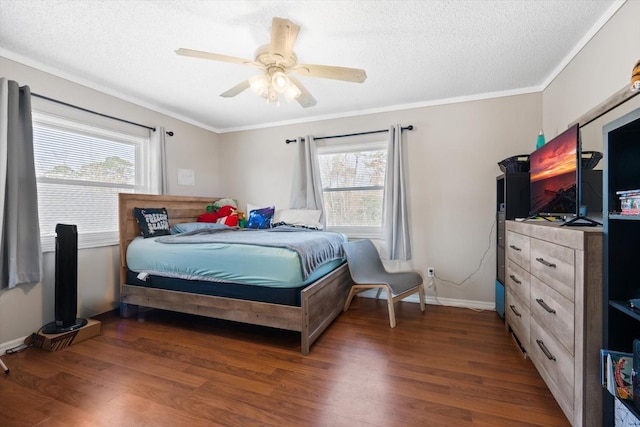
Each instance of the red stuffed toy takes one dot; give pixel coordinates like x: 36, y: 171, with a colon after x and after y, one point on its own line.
x: 227, y: 215
x: 208, y: 217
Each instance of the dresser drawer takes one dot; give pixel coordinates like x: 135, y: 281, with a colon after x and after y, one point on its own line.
x: 554, y: 312
x: 518, y: 281
x: 555, y: 365
x: 518, y: 249
x: 554, y: 265
x: 517, y: 316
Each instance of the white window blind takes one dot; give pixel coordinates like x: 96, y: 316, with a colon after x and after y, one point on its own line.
x: 352, y: 176
x: 80, y: 170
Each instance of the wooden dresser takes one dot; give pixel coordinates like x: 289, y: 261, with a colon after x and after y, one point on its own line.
x: 553, y: 305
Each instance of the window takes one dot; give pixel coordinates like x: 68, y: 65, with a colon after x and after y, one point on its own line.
x: 80, y: 170
x: 353, y: 176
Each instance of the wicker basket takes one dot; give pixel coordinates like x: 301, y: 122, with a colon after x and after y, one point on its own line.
x: 513, y: 164
x: 590, y: 159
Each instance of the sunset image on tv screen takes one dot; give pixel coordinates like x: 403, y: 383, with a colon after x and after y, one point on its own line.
x: 553, y: 175
x: 554, y: 159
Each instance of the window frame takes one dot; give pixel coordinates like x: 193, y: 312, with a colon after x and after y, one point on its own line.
x: 81, y: 126
x: 336, y: 147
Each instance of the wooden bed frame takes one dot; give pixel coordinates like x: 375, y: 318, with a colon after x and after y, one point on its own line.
x: 321, y: 302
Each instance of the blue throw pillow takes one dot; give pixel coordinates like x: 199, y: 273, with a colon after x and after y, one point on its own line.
x: 153, y: 222
x: 261, y: 218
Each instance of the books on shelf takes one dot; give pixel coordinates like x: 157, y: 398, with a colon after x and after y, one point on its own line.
x: 623, y: 193
x: 616, y: 373
x: 629, y: 202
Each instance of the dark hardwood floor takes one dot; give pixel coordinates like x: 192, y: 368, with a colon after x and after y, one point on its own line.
x: 445, y: 367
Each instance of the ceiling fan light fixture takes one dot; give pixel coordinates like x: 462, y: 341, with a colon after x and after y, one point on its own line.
x: 260, y: 84
x: 292, y: 92
x: 280, y: 81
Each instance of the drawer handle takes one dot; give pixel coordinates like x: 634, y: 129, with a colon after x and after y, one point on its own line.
x: 515, y: 248
x: 545, y: 350
x: 513, y: 308
x: 515, y: 279
x: 545, y: 306
x: 547, y: 263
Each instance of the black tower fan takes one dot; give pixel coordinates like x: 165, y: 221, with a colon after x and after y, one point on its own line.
x: 66, y: 292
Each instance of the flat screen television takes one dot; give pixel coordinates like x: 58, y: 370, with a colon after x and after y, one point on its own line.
x: 555, y: 176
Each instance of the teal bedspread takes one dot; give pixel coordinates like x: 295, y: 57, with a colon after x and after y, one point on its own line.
x: 314, y: 248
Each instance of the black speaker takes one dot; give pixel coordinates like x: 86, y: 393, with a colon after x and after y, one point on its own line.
x: 592, y: 192
x: 66, y: 286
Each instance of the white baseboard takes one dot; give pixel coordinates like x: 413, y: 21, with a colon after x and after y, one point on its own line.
x: 475, y: 305
x: 11, y: 344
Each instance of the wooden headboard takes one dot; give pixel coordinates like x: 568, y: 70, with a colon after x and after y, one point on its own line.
x: 180, y: 209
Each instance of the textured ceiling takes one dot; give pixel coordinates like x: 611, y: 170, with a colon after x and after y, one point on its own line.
x: 414, y: 52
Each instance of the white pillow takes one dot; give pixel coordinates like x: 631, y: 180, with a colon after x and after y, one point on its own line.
x: 306, y: 217
x: 251, y: 207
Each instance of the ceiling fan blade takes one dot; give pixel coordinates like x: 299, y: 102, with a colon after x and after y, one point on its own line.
x: 218, y: 57
x: 240, y: 87
x: 305, y: 99
x: 283, y: 36
x: 354, y: 75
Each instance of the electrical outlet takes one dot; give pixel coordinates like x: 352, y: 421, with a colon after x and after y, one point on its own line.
x: 431, y: 272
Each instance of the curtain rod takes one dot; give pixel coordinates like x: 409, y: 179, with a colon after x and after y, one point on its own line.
x: 620, y: 97
x: 170, y: 133
x: 410, y: 127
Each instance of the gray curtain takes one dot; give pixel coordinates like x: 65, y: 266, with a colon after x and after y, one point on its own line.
x: 20, y: 254
x: 158, y: 155
x: 396, y: 242
x: 306, y: 189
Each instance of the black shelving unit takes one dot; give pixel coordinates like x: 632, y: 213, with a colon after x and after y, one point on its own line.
x: 621, y: 243
x: 512, y: 197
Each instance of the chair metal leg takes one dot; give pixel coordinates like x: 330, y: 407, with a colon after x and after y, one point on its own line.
x: 378, y: 293
x: 392, y: 314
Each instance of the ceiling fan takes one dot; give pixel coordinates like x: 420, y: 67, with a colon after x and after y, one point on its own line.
x: 277, y: 60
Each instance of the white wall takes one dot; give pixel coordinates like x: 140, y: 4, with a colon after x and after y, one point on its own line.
x: 26, y: 308
x: 453, y: 154
x: 601, y: 68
